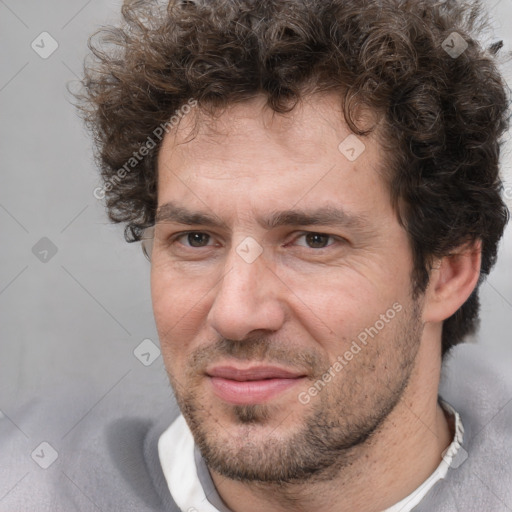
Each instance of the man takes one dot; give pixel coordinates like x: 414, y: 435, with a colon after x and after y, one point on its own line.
x: 316, y: 186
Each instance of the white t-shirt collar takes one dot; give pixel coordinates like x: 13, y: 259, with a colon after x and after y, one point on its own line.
x: 177, y: 450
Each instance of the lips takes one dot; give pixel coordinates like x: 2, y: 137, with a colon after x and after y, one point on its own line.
x: 254, y: 373
x: 253, y: 385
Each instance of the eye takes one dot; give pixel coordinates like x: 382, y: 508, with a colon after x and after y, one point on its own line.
x: 315, y: 240
x: 195, y: 239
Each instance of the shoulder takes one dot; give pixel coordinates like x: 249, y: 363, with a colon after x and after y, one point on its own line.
x: 74, y: 447
x: 479, y: 387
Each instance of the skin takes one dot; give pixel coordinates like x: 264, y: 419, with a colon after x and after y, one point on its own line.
x: 300, y: 306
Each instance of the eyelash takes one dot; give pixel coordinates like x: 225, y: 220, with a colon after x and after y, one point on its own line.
x: 183, y: 234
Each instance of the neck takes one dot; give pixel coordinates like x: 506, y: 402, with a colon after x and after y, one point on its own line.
x: 383, y: 470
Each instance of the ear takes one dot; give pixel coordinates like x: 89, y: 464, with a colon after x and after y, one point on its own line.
x: 452, y: 280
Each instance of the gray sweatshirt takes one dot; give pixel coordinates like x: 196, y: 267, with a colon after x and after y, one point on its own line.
x: 108, y: 460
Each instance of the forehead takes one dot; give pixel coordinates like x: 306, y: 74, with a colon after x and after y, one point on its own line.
x: 313, y: 125
x: 248, y: 154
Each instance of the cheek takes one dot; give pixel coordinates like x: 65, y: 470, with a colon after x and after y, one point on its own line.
x: 339, y: 306
x: 172, y: 294
x: 180, y: 306
x: 340, y: 297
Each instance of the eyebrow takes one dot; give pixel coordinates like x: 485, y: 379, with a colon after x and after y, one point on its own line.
x: 326, y: 215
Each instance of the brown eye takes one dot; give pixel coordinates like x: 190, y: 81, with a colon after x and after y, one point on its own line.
x: 317, y: 240
x: 197, y: 239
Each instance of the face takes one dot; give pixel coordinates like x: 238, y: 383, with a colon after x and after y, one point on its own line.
x: 281, y: 289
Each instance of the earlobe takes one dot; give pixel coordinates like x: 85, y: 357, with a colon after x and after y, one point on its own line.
x: 452, y: 280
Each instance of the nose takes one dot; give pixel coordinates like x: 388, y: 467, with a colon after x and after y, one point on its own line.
x: 247, y: 299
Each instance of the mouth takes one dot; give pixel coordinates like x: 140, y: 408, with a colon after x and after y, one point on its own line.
x: 253, y: 385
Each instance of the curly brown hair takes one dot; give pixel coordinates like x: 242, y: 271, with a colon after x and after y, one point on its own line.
x: 443, y: 115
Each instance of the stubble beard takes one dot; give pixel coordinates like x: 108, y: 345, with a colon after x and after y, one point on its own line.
x: 337, y: 423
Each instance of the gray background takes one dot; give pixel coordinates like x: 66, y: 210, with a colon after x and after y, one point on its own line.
x: 77, y: 318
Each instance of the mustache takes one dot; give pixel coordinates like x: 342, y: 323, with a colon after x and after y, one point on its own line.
x: 258, y: 348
